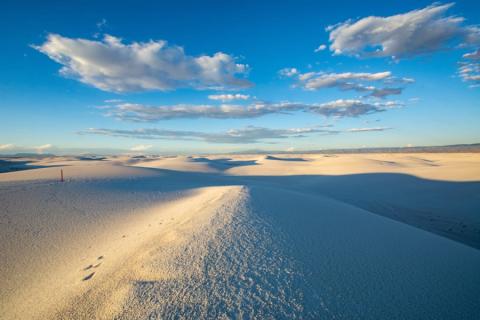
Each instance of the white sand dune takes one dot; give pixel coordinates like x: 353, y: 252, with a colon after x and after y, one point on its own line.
x: 450, y: 166
x: 243, y: 237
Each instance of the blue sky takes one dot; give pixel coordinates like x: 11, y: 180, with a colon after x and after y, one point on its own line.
x: 232, y: 76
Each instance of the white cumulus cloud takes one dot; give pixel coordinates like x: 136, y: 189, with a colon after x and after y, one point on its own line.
x: 403, y: 35
x: 112, y: 65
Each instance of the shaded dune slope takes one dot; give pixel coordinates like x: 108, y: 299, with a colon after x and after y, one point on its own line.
x: 283, y: 254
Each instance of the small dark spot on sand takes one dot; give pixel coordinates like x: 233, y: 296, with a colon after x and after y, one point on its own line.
x: 100, y: 258
x: 90, y: 276
x: 88, y: 267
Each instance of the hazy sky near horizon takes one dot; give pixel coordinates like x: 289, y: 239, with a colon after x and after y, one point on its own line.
x: 221, y: 76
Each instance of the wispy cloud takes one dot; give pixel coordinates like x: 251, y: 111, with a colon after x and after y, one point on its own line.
x: 101, y: 24
x: 338, y: 108
x: 353, y: 108
x: 250, y: 134
x: 229, y: 97
x: 288, y: 72
x: 404, y: 35
x: 141, y: 147
x: 384, y: 92
x: 473, y: 55
x: 469, y: 68
x: 356, y: 81
x: 320, y: 48
x: 143, y: 113
x: 113, y: 101
x: 374, y: 129
x: 6, y: 146
x: 111, y: 65
x: 41, y: 149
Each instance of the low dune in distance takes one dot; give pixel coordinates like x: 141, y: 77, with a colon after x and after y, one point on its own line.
x: 310, y: 236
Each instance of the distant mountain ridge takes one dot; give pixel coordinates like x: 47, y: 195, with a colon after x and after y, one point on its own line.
x: 456, y: 148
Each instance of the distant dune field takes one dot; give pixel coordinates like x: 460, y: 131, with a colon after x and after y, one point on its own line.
x: 317, y: 236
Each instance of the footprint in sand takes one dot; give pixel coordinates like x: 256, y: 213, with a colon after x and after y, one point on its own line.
x: 90, y: 276
x: 92, y: 266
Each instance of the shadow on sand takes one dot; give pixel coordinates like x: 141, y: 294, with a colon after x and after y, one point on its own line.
x: 16, y: 165
x: 224, y: 163
x: 449, y: 209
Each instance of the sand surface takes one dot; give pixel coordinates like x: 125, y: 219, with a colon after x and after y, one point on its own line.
x: 361, y: 236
